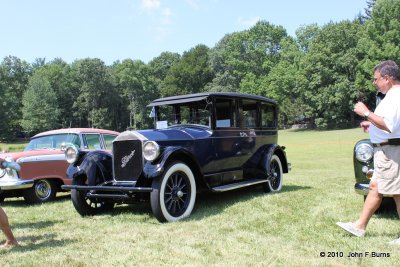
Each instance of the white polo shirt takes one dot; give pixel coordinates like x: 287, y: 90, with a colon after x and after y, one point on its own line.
x: 389, y: 109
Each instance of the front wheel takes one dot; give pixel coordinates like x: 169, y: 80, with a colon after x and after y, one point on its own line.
x: 86, y: 206
x: 42, y: 191
x: 174, y: 193
x: 275, y: 175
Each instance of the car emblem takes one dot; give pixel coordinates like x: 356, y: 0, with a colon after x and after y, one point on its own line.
x: 127, y: 158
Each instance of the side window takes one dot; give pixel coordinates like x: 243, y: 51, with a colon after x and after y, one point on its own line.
x: 108, y: 140
x: 268, y: 119
x: 225, y: 113
x: 92, y: 141
x: 249, y: 114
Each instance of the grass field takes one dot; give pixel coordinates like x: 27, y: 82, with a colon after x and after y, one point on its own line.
x: 12, y: 147
x: 242, y: 228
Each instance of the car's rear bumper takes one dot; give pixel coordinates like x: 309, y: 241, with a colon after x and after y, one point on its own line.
x: 15, y: 184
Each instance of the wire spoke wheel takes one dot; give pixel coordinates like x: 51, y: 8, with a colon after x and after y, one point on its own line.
x: 174, y: 193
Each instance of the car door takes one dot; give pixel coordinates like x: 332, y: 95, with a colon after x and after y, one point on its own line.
x: 233, y: 139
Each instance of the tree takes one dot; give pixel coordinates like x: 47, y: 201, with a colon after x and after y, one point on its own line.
x: 286, y: 83
x: 58, y: 73
x: 97, y: 102
x: 378, y: 41
x: 190, y: 74
x: 40, y: 108
x: 14, y: 75
x: 330, y: 68
x: 138, y: 88
x: 242, y: 58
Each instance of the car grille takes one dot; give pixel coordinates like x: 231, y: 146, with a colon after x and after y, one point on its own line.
x: 127, y: 160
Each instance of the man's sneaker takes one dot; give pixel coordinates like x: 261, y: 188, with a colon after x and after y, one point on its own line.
x: 395, y: 242
x: 349, y: 227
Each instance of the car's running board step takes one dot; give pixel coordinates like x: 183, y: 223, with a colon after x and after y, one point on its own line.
x: 233, y: 186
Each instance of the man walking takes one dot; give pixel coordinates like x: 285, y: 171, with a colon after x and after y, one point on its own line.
x: 383, y: 126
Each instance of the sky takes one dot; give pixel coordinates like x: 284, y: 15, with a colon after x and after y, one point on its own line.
x: 114, y: 30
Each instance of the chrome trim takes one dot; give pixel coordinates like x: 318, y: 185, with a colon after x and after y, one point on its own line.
x: 18, y: 184
x: 130, y: 135
x: 157, y: 150
x: 363, y: 189
x: 39, y: 158
x: 108, y: 188
x: 233, y: 186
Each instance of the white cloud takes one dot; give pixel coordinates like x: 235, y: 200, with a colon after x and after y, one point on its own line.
x: 151, y: 4
x: 248, y: 22
x: 192, y: 3
x: 166, y: 16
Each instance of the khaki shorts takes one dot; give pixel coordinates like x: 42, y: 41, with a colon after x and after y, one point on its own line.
x: 386, y: 169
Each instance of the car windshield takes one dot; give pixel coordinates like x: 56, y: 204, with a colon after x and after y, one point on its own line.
x: 192, y: 113
x: 53, y: 141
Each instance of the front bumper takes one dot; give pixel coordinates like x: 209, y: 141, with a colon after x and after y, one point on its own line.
x: 361, y: 189
x: 15, y: 184
x: 129, y: 189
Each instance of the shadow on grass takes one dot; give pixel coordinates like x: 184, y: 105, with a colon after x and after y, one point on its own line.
x: 20, y: 202
x: 35, y: 225
x: 34, y: 242
x: 207, y: 203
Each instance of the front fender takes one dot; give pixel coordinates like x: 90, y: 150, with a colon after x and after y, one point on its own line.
x: 96, y: 166
x: 156, y: 168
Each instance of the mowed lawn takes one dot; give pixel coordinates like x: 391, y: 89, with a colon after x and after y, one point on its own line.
x: 295, y: 227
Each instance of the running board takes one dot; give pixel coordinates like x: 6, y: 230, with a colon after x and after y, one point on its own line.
x: 233, y: 186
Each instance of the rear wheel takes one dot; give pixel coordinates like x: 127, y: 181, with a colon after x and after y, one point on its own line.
x: 275, y: 175
x: 42, y: 191
x: 174, y: 193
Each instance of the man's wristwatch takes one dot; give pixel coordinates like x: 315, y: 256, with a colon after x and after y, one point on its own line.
x: 366, y: 114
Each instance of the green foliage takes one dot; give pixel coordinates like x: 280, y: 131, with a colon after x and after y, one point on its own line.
x: 14, y: 75
x: 379, y: 40
x: 40, y: 110
x: 97, y: 99
x: 315, y: 77
x: 190, y: 74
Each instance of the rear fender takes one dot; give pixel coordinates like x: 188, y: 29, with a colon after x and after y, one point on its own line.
x: 271, y: 150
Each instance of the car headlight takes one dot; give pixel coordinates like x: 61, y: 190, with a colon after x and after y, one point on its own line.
x: 151, y: 150
x: 364, y: 152
x: 71, y: 154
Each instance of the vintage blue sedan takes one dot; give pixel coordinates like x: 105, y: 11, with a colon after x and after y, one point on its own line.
x: 206, y: 141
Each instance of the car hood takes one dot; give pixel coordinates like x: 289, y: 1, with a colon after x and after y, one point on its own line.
x: 170, y: 134
x: 19, y: 155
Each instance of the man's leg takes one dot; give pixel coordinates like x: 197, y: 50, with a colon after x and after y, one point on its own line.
x: 5, y: 227
x: 371, y: 204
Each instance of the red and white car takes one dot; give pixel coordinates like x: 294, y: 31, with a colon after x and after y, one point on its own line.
x: 43, y: 163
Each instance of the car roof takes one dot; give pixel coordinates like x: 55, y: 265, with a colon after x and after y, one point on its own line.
x: 76, y: 131
x: 201, y: 96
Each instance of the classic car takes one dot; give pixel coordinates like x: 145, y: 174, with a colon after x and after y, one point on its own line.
x: 363, y: 161
x: 205, y: 141
x: 43, y: 164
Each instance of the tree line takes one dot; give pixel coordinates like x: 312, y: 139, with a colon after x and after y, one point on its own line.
x: 316, y: 76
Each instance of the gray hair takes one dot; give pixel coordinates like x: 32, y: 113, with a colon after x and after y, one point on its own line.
x: 390, y: 68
